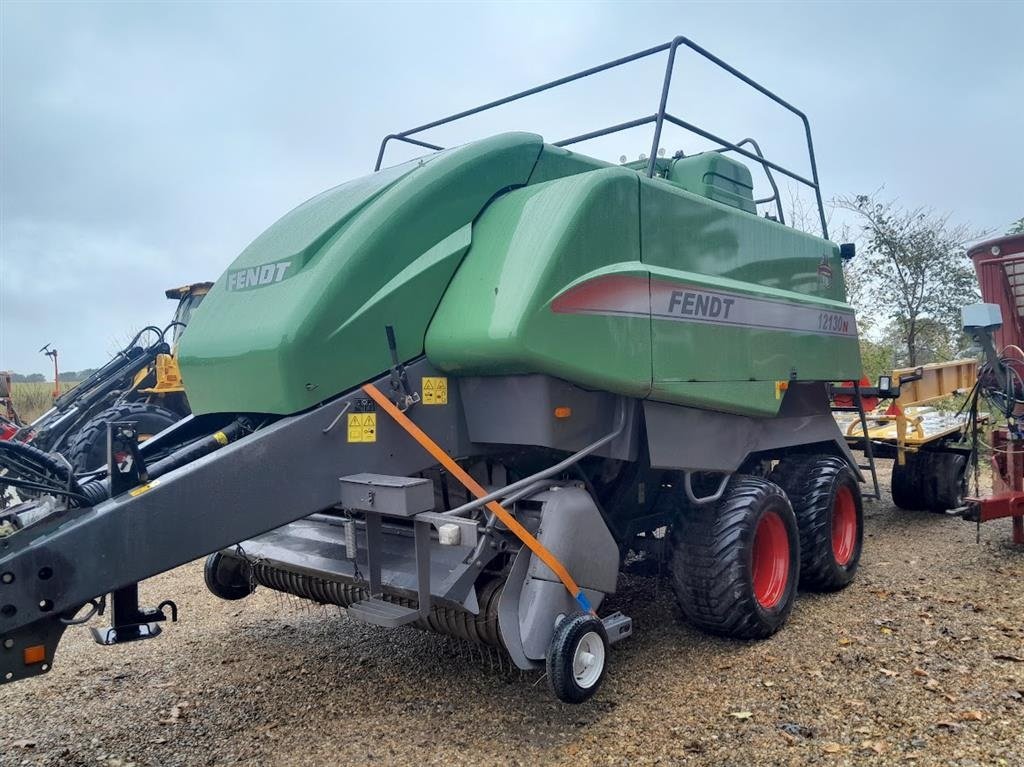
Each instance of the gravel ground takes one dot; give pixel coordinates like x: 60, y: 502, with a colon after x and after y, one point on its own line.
x: 920, y: 661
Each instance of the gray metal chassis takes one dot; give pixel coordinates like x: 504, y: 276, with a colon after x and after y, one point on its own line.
x: 291, y: 469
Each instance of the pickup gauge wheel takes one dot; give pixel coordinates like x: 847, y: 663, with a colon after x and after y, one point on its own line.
x: 577, y: 658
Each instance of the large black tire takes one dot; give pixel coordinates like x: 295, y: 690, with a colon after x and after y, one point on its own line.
x: 87, y: 450
x: 736, y: 563
x: 930, y: 481
x: 571, y: 679
x: 830, y: 516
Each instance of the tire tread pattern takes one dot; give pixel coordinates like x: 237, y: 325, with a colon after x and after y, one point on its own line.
x: 811, y: 481
x: 81, y: 445
x: 929, y: 481
x: 712, y: 586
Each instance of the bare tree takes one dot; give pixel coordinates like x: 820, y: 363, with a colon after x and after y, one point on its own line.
x: 914, y: 270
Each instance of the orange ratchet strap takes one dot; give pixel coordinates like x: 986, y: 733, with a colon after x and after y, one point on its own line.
x: 477, y: 489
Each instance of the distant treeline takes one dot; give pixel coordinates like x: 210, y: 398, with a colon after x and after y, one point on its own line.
x: 69, y: 375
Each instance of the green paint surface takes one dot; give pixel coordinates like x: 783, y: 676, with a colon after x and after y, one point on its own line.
x: 376, y: 251
x: 466, y: 253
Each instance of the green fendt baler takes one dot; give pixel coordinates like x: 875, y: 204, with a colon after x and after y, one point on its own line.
x: 460, y: 393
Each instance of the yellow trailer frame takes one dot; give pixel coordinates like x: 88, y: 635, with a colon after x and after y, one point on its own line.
x: 917, y: 424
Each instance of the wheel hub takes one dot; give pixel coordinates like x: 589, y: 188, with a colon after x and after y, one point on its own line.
x: 844, y: 526
x: 770, y: 560
x: 588, y: 660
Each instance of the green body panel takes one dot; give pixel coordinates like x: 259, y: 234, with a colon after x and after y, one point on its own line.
x: 717, y: 247
x: 528, y: 246
x: 539, y: 243
x: 508, y: 256
x: 379, y: 250
x: 556, y: 162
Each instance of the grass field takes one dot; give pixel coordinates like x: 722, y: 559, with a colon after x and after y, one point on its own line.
x: 31, y: 400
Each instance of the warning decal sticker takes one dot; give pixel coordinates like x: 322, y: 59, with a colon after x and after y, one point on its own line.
x: 435, y: 390
x: 362, y: 427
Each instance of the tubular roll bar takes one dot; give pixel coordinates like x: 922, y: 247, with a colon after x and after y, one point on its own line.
x: 658, y: 118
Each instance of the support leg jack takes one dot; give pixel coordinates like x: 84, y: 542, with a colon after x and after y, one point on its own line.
x: 129, y: 622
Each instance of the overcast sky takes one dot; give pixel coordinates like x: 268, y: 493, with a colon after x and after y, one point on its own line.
x: 144, y: 146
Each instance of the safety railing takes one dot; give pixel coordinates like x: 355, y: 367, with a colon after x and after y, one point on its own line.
x: 658, y: 118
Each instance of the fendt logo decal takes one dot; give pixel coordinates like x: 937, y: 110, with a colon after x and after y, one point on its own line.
x: 257, y: 276
x: 697, y: 304
x: 635, y: 296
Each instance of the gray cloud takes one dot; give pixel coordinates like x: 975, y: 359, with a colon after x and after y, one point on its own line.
x: 144, y: 145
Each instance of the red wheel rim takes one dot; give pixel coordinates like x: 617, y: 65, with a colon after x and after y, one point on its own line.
x: 844, y: 526
x: 770, y: 560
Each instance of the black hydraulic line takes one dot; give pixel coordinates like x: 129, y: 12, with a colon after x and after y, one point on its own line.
x: 197, y: 449
x: 99, y: 489
x: 24, y: 459
x: 51, y: 434
x: 130, y: 352
x: 173, y: 324
x: 110, y: 369
x: 36, y: 487
x: 33, y: 469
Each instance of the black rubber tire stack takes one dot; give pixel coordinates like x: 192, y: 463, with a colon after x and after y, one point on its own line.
x: 87, y: 450
x: 712, y: 561
x: 930, y: 481
x: 813, y: 483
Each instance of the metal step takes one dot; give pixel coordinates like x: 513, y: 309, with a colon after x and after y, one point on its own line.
x: 380, y: 613
x: 858, y: 408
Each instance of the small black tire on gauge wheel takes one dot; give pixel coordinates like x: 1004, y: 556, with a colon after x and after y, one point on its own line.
x: 736, y: 562
x: 227, y: 577
x: 826, y: 499
x: 930, y: 481
x: 87, y: 450
x: 577, y: 658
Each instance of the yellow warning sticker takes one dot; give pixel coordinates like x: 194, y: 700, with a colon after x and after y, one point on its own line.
x: 780, y: 388
x: 435, y: 390
x: 362, y: 427
x: 135, y: 491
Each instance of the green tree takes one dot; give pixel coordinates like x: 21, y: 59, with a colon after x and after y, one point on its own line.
x: 1017, y: 227
x: 914, y: 271
x: 877, y: 358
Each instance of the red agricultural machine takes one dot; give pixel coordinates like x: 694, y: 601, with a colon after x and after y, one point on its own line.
x: 998, y: 325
